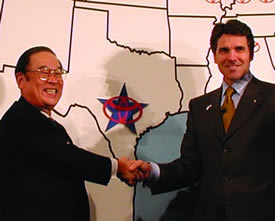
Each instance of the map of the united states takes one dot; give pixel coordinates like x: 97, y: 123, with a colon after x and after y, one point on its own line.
x: 147, y: 58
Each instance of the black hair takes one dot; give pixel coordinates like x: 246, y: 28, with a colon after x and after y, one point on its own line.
x: 24, y: 59
x: 232, y: 27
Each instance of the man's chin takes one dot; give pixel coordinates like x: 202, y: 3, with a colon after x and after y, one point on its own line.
x: 50, y: 103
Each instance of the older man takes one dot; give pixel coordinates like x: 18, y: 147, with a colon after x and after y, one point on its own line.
x: 42, y: 171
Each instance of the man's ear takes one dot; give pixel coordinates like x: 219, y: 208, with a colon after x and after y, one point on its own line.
x: 20, y: 78
x: 214, y: 56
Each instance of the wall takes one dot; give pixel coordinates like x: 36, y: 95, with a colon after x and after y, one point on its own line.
x: 158, y: 49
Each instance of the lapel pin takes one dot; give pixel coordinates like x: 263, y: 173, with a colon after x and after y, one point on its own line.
x: 208, y: 107
x: 254, y: 101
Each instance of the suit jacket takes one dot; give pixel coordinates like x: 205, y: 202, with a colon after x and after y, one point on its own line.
x: 236, y: 170
x: 42, y: 171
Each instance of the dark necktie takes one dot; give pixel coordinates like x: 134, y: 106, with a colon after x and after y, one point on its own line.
x: 228, y: 108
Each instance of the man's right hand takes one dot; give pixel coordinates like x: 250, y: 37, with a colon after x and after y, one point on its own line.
x: 144, y: 167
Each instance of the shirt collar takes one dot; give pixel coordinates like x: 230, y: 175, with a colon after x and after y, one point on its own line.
x: 238, y: 85
x: 45, y: 114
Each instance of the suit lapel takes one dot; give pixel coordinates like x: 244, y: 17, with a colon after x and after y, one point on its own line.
x: 213, y: 113
x: 249, y: 102
x: 41, y: 121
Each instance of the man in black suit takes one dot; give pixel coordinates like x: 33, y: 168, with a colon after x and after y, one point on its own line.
x: 42, y: 171
x: 234, y: 163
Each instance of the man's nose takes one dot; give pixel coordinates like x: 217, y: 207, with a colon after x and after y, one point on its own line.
x: 232, y: 55
x: 52, y: 78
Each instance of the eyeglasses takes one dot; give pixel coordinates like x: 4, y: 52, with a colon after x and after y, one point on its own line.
x: 45, y: 72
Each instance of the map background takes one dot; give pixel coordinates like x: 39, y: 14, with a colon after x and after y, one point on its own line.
x: 159, y: 49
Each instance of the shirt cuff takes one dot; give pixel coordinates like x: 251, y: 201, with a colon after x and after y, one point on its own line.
x: 155, y: 173
x: 114, y: 167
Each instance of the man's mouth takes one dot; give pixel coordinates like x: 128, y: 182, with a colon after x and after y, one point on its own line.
x: 51, y: 91
x: 232, y: 67
x: 232, y: 64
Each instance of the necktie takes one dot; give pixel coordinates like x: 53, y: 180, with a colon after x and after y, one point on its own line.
x: 228, y: 108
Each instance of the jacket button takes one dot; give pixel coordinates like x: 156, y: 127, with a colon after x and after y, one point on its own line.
x: 225, y: 151
x: 225, y: 178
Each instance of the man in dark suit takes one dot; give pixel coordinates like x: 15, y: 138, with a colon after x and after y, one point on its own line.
x: 234, y: 162
x: 42, y: 171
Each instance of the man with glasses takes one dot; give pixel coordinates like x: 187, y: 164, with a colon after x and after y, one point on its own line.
x: 42, y: 171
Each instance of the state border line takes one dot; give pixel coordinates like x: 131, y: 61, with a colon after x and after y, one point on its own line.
x: 97, y: 123
x: 120, y: 4
x: 1, y: 10
x: 6, y: 66
x: 269, y: 52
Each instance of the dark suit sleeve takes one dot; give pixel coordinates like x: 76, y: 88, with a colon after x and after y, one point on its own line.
x: 185, y: 170
x: 38, y: 143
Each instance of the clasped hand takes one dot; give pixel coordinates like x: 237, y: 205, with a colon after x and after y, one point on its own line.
x: 133, y: 171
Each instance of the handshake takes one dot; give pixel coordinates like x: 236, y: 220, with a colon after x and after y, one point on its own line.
x: 133, y: 171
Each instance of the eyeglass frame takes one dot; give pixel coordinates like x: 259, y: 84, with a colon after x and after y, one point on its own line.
x: 49, y: 72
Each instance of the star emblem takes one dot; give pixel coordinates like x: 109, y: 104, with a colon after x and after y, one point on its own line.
x: 123, y: 108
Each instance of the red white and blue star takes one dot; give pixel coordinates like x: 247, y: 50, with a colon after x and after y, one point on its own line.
x: 122, y: 108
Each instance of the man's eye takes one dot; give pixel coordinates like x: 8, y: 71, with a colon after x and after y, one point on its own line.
x: 240, y: 49
x: 58, y: 71
x: 223, y: 50
x: 44, y: 72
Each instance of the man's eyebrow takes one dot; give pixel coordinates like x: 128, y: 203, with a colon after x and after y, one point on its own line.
x: 44, y: 66
x: 240, y: 47
x: 223, y: 49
